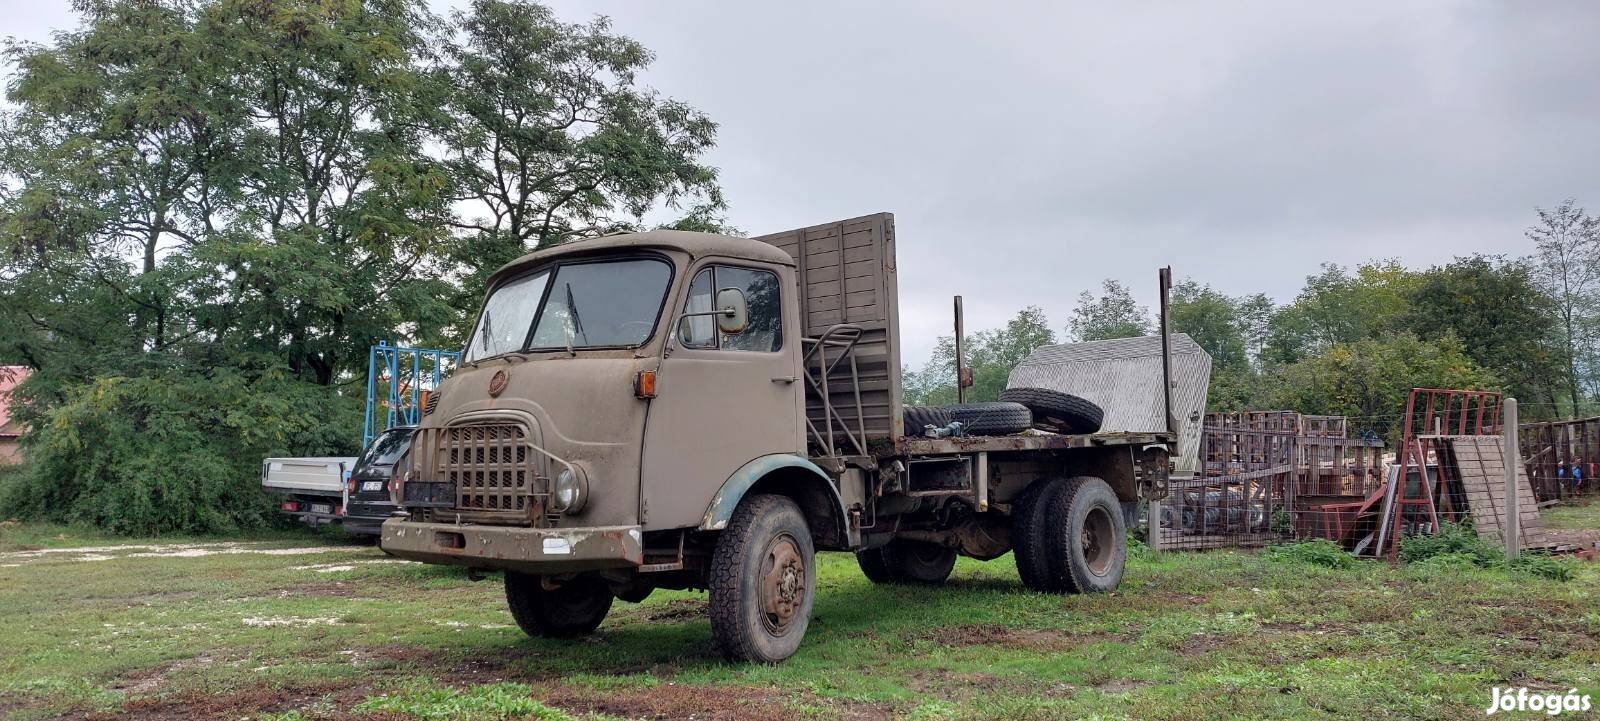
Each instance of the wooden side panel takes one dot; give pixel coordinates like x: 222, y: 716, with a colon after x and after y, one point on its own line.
x: 1480, y: 461
x: 846, y: 275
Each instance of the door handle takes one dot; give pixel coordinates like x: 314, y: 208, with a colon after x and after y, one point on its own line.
x: 785, y: 379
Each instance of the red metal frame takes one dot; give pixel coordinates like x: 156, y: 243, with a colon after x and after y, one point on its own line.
x: 1433, y: 411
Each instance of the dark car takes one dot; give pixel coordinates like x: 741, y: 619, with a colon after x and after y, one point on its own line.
x: 369, y: 483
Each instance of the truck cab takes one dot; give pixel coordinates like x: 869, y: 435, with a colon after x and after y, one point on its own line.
x: 685, y: 410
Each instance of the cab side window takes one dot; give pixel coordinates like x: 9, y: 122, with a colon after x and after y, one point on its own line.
x: 764, y: 333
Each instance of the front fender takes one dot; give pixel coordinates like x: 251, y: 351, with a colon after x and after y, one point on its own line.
x: 733, y: 490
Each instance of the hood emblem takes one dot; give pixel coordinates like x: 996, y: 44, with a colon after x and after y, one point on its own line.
x: 497, y: 384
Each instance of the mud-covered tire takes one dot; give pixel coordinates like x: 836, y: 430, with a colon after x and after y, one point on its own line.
x: 1028, y: 534
x: 905, y: 561
x: 874, y: 563
x: 762, y: 581
x: 574, y: 608
x: 1087, y: 540
x: 918, y: 418
x: 921, y: 562
x: 1057, y: 411
x: 991, y: 418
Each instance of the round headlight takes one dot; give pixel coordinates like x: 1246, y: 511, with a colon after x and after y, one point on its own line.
x: 570, y: 490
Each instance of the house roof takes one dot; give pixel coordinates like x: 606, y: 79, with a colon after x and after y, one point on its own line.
x: 10, y: 376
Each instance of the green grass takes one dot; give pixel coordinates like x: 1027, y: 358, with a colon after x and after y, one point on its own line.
x: 1195, y: 636
x: 1572, y: 516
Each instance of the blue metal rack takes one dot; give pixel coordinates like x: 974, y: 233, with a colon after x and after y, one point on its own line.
x: 402, y: 375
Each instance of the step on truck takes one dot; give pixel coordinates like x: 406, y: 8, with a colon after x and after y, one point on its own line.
x: 683, y: 410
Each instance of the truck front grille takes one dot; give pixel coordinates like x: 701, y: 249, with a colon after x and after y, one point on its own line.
x: 490, y: 467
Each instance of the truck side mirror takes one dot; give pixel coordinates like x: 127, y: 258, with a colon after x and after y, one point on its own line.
x: 733, y: 314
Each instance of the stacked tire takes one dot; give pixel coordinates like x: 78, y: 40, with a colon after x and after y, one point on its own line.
x: 1056, y: 411
x: 1018, y: 410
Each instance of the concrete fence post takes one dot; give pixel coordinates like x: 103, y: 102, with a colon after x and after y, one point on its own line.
x: 1513, y: 522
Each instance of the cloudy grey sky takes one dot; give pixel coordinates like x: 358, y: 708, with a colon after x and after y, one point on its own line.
x: 1030, y: 150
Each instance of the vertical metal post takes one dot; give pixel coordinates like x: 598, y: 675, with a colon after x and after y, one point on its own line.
x: 961, y: 366
x: 372, y: 380
x: 1153, y: 524
x: 1166, y: 349
x: 1513, y: 524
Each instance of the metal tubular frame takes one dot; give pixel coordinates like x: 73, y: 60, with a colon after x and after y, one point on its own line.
x: 844, y: 337
x: 407, y: 371
x: 1431, y: 411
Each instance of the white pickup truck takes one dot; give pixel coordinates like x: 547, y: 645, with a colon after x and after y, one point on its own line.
x: 316, y: 489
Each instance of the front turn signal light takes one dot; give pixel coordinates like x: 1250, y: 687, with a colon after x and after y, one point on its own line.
x: 644, y: 385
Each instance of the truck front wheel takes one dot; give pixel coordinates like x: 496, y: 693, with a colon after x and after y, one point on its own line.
x: 574, y: 608
x: 762, y: 580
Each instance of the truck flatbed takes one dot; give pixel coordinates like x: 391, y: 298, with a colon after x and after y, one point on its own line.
x: 914, y: 446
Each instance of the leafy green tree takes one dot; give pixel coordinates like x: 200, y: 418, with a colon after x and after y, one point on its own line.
x: 1368, y: 379
x: 1337, y: 307
x: 1504, y: 321
x: 991, y: 354
x: 1115, y: 314
x: 1567, y: 264
x: 209, y: 209
x: 1215, y: 321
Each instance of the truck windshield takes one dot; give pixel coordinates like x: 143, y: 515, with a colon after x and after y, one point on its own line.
x: 598, y: 304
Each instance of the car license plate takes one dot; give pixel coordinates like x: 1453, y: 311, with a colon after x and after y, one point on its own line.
x: 372, y: 485
x: 321, y: 508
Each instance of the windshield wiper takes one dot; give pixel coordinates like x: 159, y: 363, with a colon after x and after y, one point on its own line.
x: 487, y: 329
x: 575, y: 323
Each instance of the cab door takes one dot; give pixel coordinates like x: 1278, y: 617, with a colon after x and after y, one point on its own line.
x: 722, y: 400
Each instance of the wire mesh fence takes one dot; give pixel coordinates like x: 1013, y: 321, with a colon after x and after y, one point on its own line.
x: 1264, y: 477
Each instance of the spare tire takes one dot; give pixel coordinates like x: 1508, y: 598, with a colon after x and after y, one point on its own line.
x: 992, y: 418
x: 1057, y: 411
x: 918, y: 418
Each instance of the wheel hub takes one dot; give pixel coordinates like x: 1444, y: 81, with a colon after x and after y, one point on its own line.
x: 783, y: 585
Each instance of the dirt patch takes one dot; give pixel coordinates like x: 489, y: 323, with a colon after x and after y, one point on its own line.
x: 1121, y: 685
x: 239, y: 704
x: 1023, y: 638
x: 682, y: 609
x: 671, y: 701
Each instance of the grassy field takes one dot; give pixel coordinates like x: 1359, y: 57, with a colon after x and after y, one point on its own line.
x: 312, y: 627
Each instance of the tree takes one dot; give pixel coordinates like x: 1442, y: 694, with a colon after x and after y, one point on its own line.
x: 1504, y: 321
x: 1567, y: 264
x: 1336, y: 306
x: 1213, y: 320
x: 1368, y: 380
x: 1114, y: 314
x: 991, y: 354
x: 550, y: 135
x: 227, y: 202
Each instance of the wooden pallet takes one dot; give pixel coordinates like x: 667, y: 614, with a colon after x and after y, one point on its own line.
x: 1480, y: 463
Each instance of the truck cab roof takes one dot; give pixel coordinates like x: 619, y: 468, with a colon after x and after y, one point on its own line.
x: 697, y: 245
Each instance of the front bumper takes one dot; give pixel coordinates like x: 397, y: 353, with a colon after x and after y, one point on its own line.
x: 532, y: 550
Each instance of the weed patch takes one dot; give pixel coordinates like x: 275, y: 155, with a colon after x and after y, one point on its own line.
x: 1318, y: 552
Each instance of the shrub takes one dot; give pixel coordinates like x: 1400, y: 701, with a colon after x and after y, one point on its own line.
x: 179, y: 452
x: 1452, y: 538
x: 1457, y: 545
x: 1317, y: 552
x: 1538, y: 564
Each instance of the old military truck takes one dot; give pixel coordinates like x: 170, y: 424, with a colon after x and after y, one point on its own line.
x: 689, y: 411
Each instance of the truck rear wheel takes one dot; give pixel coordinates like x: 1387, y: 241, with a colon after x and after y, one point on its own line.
x: 1087, y: 537
x: 574, y: 608
x: 762, y: 581
x: 1029, y: 534
x: 903, y: 561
